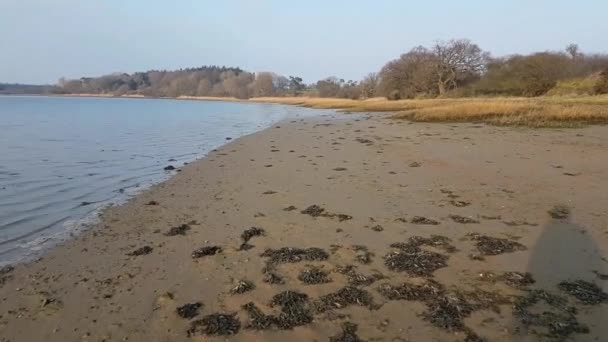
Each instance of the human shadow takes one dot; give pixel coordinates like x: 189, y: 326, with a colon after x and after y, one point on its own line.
x: 566, y: 251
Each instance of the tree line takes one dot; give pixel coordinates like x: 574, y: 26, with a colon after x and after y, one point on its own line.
x: 454, y: 68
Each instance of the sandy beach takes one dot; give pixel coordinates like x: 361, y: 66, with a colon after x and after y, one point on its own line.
x: 367, y: 227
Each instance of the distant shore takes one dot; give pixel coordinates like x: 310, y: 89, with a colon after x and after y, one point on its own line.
x: 539, y: 112
x: 470, y: 201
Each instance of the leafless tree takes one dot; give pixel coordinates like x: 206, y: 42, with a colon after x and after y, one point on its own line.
x: 456, y: 60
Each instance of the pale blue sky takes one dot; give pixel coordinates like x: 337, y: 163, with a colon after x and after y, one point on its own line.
x: 42, y: 40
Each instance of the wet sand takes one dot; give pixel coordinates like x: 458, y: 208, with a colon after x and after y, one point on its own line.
x: 376, y: 182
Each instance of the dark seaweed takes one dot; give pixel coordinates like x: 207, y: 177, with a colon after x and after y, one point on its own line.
x: 205, y: 251
x: 179, y: 230
x: 423, y: 220
x: 189, y: 310
x: 584, y: 291
x: 348, y: 334
x: 242, y: 286
x: 215, y: 324
x: 314, y: 276
x: 141, y: 251
x: 494, y: 246
x: 344, y: 297
x: 463, y: 219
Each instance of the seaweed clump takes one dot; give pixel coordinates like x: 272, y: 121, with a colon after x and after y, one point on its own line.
x: 189, y: 310
x: 294, y: 309
x: 445, y: 309
x: 514, y: 279
x: 218, y: 324
x: 344, y: 297
x: 412, y: 259
x: 242, y: 286
x: 317, y: 211
x: 314, y: 276
x: 179, y: 230
x: 463, y: 219
x: 559, y: 212
x: 558, y: 322
x: 488, y: 245
x: 584, y: 291
x: 358, y: 279
x: 247, y: 235
x: 423, y: 220
x: 141, y: 251
x: 205, y: 251
x: 348, y: 334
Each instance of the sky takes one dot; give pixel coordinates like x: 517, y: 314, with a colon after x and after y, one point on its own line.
x: 43, y: 40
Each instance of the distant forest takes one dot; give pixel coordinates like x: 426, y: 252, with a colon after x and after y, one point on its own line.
x: 27, y: 89
x: 454, y: 68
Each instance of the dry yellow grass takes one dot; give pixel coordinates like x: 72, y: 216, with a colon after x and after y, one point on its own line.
x: 532, y: 112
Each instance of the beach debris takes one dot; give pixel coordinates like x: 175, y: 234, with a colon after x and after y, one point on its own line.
x: 494, y: 246
x: 228, y: 138
x: 179, y: 230
x: 218, y: 324
x: 463, y: 219
x: 242, y: 286
x: 269, y: 192
x: 423, y: 220
x: 152, y: 203
x: 377, y: 228
x: 169, y: 168
x: 290, y: 208
x: 559, y: 212
x: 205, y: 251
x: 257, y: 319
x: 314, y: 276
x: 348, y: 334
x: 584, y: 291
x: 348, y: 295
x: 141, y: 251
x: 363, y: 256
x: 415, y: 164
x: 251, y: 232
x: 553, y: 315
x: 340, y: 169
x: 294, y: 309
x: 460, y: 204
x: 514, y: 279
x: 268, y: 165
x: 189, y: 310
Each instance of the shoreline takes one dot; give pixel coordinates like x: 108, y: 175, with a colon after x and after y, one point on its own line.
x: 375, y: 180
x: 538, y: 112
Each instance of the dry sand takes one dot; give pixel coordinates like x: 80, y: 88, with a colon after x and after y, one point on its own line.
x: 382, y: 173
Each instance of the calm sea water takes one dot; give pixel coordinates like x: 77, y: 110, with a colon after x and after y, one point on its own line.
x: 62, y: 159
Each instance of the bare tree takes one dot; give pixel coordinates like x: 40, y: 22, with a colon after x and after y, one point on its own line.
x: 263, y: 84
x: 456, y: 60
x: 572, y: 50
x: 369, y: 85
